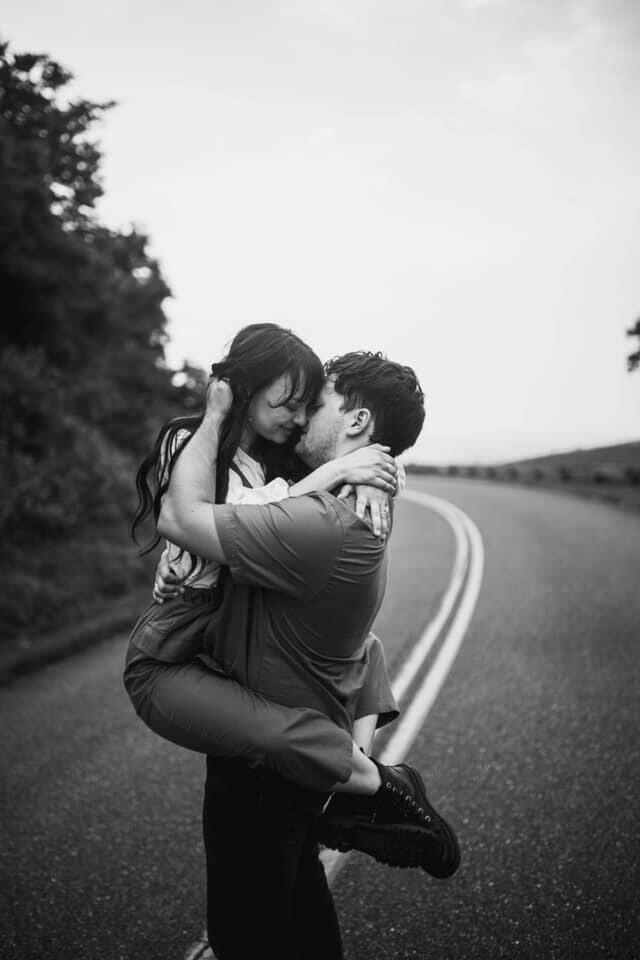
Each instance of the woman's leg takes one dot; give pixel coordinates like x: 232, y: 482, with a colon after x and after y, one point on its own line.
x: 365, y: 775
x: 196, y: 708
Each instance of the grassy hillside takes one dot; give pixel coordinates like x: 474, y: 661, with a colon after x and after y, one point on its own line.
x: 606, y: 473
x: 617, y: 459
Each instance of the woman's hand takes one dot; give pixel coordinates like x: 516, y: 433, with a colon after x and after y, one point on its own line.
x: 219, y: 398
x: 167, y: 584
x: 372, y: 466
x: 376, y: 502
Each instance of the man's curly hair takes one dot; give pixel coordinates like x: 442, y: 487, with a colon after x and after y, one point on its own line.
x: 389, y: 390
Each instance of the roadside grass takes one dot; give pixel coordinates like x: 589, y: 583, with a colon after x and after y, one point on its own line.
x: 63, y: 597
x: 609, y: 474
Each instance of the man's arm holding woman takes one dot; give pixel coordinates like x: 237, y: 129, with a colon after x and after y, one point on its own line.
x: 190, y: 705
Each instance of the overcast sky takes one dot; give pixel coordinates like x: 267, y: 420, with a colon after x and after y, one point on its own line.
x: 454, y: 182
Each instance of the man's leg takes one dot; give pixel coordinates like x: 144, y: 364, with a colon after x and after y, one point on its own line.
x: 316, y: 927
x: 256, y: 831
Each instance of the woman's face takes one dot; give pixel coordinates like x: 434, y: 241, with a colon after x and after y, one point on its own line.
x: 274, y: 417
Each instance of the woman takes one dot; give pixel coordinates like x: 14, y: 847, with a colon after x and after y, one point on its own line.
x: 274, y: 377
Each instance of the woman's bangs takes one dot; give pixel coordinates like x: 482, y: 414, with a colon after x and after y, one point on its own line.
x: 306, y: 377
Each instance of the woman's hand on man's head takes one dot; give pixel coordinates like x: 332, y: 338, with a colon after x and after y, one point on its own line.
x: 219, y: 398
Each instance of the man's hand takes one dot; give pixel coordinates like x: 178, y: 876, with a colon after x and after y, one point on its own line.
x: 219, y: 398
x: 167, y: 584
x: 371, y: 465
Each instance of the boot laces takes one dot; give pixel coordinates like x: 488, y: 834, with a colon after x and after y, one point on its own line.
x: 408, y: 802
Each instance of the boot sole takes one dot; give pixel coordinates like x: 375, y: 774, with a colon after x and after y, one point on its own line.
x: 397, y: 845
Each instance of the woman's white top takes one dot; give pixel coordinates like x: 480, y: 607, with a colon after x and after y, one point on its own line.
x: 204, y: 573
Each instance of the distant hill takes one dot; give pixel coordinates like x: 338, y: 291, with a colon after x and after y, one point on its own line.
x: 617, y: 457
x: 607, y: 473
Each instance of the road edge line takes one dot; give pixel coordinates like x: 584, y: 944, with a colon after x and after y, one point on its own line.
x: 417, y: 712
x: 420, y: 650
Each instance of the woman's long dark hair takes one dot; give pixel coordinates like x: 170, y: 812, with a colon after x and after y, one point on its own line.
x: 258, y: 355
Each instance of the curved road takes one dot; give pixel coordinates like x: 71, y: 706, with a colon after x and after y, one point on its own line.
x: 531, y: 748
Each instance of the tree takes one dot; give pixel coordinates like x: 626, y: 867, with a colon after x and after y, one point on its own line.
x: 633, y: 360
x: 84, y: 382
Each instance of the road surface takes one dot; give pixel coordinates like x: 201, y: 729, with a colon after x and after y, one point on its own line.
x: 531, y: 748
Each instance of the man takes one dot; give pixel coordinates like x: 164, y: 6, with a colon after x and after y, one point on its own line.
x: 314, y: 577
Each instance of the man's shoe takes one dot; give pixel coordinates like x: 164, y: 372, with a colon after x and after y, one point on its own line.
x: 397, y: 825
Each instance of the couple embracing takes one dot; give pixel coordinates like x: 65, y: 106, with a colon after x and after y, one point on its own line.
x: 257, y: 650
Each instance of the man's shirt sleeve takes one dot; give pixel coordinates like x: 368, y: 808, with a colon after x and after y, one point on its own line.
x: 289, y: 546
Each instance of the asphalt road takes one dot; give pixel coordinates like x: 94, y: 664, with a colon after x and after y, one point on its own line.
x: 531, y: 748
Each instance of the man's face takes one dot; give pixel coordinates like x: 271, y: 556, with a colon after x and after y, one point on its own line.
x: 319, y: 440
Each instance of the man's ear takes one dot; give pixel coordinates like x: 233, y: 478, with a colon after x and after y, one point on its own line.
x: 359, y: 421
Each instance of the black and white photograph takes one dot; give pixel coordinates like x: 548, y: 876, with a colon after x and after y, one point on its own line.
x: 320, y: 480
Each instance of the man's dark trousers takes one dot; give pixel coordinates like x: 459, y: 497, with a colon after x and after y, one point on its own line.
x: 267, y: 893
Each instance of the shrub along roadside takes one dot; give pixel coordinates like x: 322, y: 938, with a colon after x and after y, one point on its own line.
x: 84, y: 383
x: 21, y: 658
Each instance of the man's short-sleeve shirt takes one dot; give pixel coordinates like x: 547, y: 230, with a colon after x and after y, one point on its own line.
x: 308, y: 577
